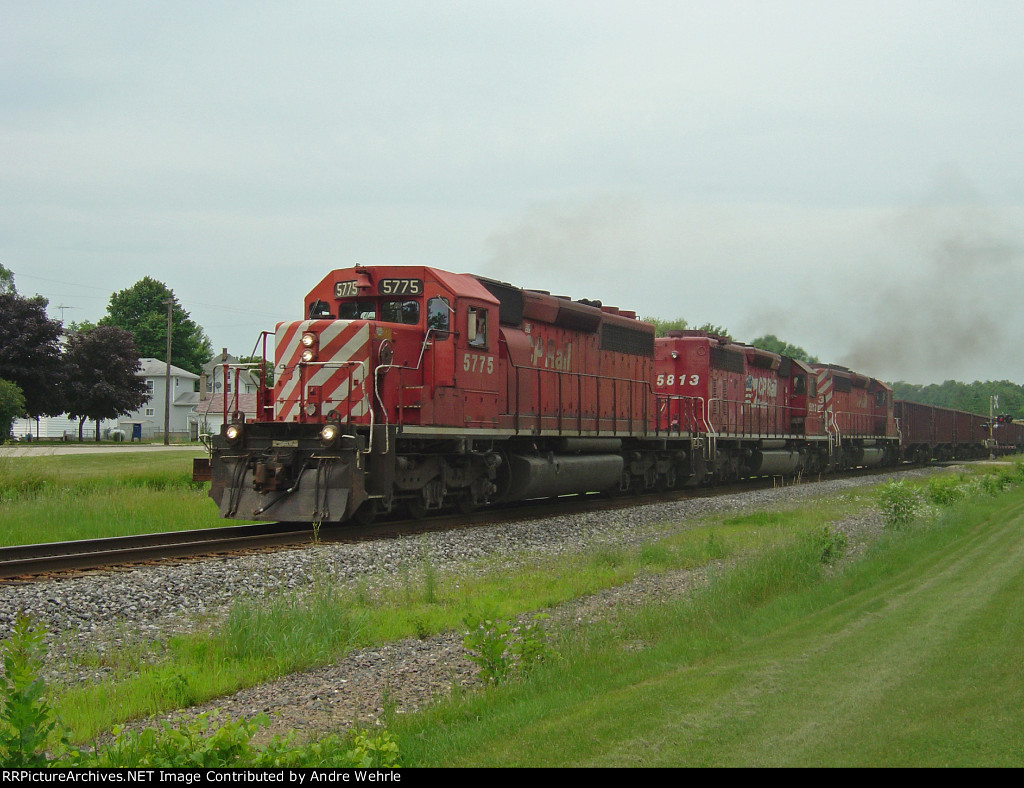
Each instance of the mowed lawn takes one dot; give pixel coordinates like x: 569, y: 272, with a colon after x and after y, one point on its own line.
x: 88, y: 496
x: 912, y: 657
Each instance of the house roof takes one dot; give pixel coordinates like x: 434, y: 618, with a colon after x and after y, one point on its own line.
x: 214, y: 368
x: 218, y: 360
x: 155, y: 368
x: 214, y: 404
x: 187, y: 398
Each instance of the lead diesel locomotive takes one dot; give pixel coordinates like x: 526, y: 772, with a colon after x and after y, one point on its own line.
x: 412, y: 387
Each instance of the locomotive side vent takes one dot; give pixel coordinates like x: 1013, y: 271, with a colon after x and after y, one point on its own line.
x: 620, y: 339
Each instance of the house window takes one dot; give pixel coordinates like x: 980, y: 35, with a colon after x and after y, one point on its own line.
x: 149, y: 386
x: 149, y: 412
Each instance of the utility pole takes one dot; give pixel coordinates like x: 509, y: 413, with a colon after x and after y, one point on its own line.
x: 169, y: 303
x: 993, y: 403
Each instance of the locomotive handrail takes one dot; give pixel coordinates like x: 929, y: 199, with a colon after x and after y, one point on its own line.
x: 376, y: 391
x: 762, y: 420
x: 264, y: 402
x: 695, y: 424
x: 581, y: 376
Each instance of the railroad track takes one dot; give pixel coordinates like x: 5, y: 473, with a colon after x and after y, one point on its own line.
x: 35, y: 562
x: 25, y: 561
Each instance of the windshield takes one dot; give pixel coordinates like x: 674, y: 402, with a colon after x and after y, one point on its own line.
x: 404, y: 312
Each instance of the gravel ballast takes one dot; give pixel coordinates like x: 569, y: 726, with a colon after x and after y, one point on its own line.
x: 108, y: 610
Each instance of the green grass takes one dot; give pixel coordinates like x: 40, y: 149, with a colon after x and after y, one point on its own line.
x: 775, y: 663
x: 62, y: 498
x: 263, y: 639
x: 910, y: 657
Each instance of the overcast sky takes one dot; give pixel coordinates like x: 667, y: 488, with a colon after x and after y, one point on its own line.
x: 847, y: 176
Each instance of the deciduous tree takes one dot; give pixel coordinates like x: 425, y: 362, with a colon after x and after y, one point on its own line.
x: 30, y: 352
x: 142, y: 310
x: 101, y: 380
x: 6, y: 280
x: 12, y: 405
x: 773, y: 344
x: 662, y: 327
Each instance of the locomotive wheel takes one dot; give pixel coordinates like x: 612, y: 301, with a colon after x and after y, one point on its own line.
x: 465, y: 504
x: 416, y: 508
x: 669, y: 480
x: 366, y: 513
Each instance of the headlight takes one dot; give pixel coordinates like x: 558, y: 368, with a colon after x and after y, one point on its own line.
x: 329, y: 435
x: 308, y: 339
x: 308, y: 355
x: 233, y: 433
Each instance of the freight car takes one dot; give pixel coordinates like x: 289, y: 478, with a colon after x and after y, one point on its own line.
x: 416, y: 388
x: 928, y: 432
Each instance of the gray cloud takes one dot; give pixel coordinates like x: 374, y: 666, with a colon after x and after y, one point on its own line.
x: 678, y: 158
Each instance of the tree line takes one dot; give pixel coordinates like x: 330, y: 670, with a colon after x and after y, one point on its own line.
x: 88, y: 371
x: 976, y: 397
x: 768, y: 342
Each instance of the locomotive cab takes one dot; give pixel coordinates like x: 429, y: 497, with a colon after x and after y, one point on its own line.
x: 382, y: 350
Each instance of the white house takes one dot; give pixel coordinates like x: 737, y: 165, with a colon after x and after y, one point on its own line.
x: 148, y: 420
x: 213, y: 372
x: 55, y: 427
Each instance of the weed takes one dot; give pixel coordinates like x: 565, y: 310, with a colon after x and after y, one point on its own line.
x: 715, y: 547
x: 487, y: 643
x: 429, y: 581
x: 28, y: 727
x: 26, y: 719
x: 172, y: 688
x: 423, y: 630
x: 900, y: 504
x: 293, y: 630
x: 498, y: 649
x: 829, y: 543
x: 993, y: 483
x: 656, y: 555
x: 946, y: 490
x: 532, y: 647
x: 607, y: 557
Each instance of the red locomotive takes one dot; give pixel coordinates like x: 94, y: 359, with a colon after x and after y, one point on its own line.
x: 412, y: 387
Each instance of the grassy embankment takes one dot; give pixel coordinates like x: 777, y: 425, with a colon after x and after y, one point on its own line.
x: 260, y: 641
x: 910, y: 656
x: 62, y: 498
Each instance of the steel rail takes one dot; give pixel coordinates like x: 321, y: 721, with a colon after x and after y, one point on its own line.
x: 21, y: 560
x: 32, y: 561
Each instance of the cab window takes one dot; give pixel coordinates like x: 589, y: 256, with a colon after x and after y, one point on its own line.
x: 405, y: 312
x: 358, y: 310
x: 476, y: 327
x: 439, y: 316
